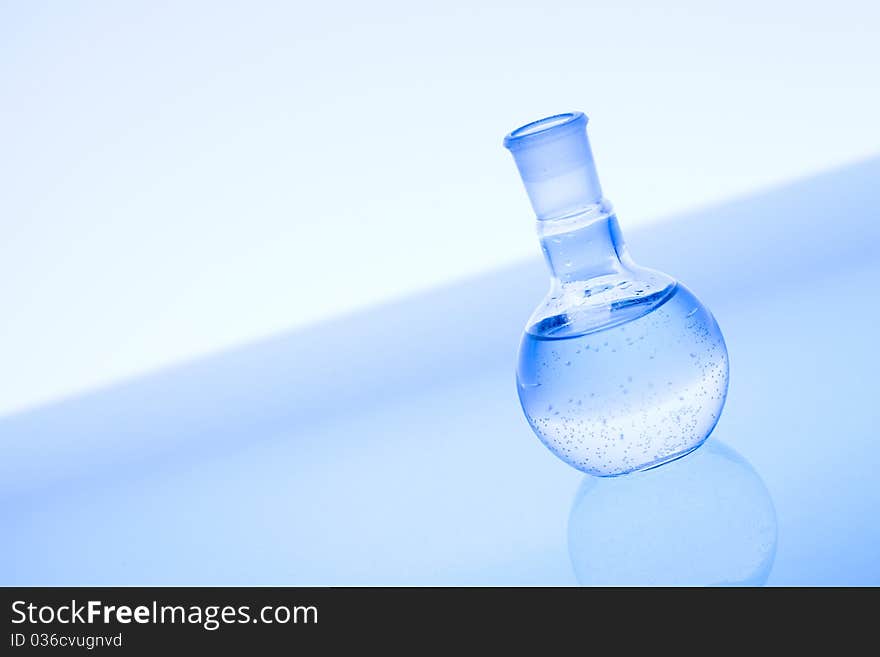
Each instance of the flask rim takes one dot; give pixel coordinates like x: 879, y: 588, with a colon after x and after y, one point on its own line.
x: 546, y: 129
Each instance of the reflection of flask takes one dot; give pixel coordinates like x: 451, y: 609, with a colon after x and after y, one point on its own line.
x: 704, y: 520
x: 621, y: 368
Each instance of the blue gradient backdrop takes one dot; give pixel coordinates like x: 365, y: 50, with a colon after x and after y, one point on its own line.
x: 388, y: 446
x: 264, y: 268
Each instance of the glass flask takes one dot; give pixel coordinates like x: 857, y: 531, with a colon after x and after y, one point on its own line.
x: 620, y: 367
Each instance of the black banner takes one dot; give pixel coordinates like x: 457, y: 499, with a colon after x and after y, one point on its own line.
x: 245, y: 620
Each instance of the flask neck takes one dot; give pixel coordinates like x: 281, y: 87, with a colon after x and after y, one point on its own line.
x: 556, y: 165
x: 583, y: 247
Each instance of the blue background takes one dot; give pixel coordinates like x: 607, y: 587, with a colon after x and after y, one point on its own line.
x: 178, y: 179
x: 388, y: 447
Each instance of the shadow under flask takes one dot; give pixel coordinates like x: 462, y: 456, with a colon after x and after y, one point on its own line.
x: 620, y: 368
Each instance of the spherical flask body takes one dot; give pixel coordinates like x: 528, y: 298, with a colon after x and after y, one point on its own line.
x: 630, y: 396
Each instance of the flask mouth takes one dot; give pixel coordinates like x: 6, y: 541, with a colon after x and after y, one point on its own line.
x: 556, y: 164
x: 548, y: 128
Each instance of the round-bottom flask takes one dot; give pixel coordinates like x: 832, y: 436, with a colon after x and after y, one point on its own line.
x: 621, y: 368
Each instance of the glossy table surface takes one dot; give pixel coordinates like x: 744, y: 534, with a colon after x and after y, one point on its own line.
x: 388, y: 447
